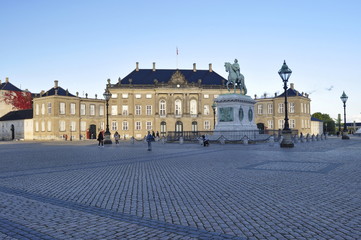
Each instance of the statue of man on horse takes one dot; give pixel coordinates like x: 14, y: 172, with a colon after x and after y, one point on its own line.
x: 235, y: 77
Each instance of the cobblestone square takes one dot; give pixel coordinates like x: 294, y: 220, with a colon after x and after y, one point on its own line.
x: 76, y: 190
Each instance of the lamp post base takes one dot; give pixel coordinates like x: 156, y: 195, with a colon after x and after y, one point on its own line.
x: 287, y: 139
x: 345, y: 136
x: 107, y: 138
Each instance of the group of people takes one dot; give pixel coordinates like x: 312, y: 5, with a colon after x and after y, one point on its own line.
x: 149, y: 138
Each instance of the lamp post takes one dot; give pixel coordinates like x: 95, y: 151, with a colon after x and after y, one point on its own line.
x: 107, y: 95
x: 344, y: 98
x: 285, y: 74
x: 214, y: 114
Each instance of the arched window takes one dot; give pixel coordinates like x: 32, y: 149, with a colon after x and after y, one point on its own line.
x: 179, y: 126
x: 163, y: 128
x: 162, y: 107
x: 178, y: 107
x: 194, y: 126
x: 193, y: 107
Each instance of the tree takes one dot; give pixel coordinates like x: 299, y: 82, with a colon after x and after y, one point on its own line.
x: 19, y: 100
x: 329, y: 123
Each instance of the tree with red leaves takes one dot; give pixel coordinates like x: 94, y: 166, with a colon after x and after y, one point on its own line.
x: 19, y: 100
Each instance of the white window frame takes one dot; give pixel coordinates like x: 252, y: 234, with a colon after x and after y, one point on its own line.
x: 162, y: 107
x: 82, y: 109
x: 149, y: 110
x: 148, y: 95
x: 62, y: 108
x: 207, y: 125
x: 125, y: 126
x: 193, y: 107
x: 114, y: 110
x: 292, y: 123
x: 92, y: 110
x: 138, y: 95
x: 270, y: 124
x: 138, y: 109
x: 43, y: 109
x: 138, y: 125
x: 101, y: 110
x: 260, y: 108
x: 114, y: 125
x: 83, y: 126
x: 62, y: 126
x: 149, y: 125
x: 37, y: 109
x: 49, y: 126
x: 125, y: 95
x: 292, y: 107
x: 280, y: 108
x: 125, y: 110
x: 178, y: 107
x: 72, y: 108
x: 270, y: 108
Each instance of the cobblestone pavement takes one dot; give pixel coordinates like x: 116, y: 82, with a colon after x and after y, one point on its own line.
x: 75, y: 190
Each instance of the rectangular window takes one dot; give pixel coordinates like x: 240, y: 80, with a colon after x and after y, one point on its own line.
x: 102, y: 124
x: 125, y: 95
x: 148, y: 95
x: 61, y: 126
x: 83, y: 126
x: 72, y: 126
x: 72, y: 108
x: 49, y: 108
x: 292, y: 123
x: 114, y: 125
x: 260, y: 109
x: 92, y: 110
x: 149, y: 109
x: 42, y: 108
x: 125, y: 125
x: 49, y: 126
x: 281, y: 123
x: 37, y: 109
x: 114, y: 110
x: 114, y: 95
x: 270, y: 124
x: 280, y: 108
x: 125, y: 110
x: 62, y: 108
x: 149, y: 125
x: 270, y: 108
x: 138, y: 96
x: 82, y: 109
x: 292, y: 107
x: 207, y: 125
x: 138, y: 109
x: 206, y: 110
x: 206, y: 96
x: 301, y: 107
x: 101, y: 110
x: 36, y: 126
x: 43, y: 126
x: 138, y: 125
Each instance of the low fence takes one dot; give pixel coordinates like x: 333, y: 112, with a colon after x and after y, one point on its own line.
x: 255, y: 135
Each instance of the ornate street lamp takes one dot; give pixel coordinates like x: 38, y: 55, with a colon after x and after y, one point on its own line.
x: 344, y: 98
x: 107, y: 95
x: 285, y: 74
x: 214, y: 114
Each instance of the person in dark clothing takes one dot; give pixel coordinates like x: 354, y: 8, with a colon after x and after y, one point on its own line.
x: 100, y: 139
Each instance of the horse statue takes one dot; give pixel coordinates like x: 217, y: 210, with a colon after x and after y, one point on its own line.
x: 235, y: 78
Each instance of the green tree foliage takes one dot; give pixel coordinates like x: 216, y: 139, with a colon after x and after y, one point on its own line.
x: 328, y: 123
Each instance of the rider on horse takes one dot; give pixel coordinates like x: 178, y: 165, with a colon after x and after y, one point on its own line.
x: 235, y: 67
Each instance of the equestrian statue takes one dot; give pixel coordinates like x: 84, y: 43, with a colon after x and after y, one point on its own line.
x: 235, y: 77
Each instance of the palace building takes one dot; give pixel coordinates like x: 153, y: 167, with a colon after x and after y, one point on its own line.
x: 163, y: 100
x: 58, y: 114
x: 270, y: 111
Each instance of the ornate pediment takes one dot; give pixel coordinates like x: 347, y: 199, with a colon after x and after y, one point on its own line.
x: 177, y: 78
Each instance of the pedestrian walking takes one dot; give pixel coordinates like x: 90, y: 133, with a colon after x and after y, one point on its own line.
x: 149, y: 138
x: 100, y: 139
x: 116, y: 137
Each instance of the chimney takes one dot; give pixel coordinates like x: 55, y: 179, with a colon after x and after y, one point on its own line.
x: 210, y: 67
x: 194, y: 67
x: 137, y: 66
x: 56, y: 83
x: 153, y: 66
x: 77, y: 94
x: 7, y: 80
x: 292, y: 86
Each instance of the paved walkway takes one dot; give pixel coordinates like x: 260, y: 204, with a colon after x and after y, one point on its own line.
x: 75, y: 190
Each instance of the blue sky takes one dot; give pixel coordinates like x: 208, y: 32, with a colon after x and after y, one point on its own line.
x: 83, y: 43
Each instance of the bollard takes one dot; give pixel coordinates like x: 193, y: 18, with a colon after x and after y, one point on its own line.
x: 181, y: 140
x: 245, y: 140
x: 222, y: 140
x: 163, y: 140
x: 271, y: 141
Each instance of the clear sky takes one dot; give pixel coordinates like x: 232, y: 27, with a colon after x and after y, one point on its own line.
x: 82, y: 43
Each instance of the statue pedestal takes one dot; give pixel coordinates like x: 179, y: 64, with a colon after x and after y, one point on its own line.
x: 235, y: 117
